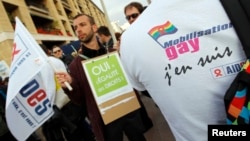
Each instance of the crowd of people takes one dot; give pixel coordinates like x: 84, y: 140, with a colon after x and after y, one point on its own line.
x: 182, y: 98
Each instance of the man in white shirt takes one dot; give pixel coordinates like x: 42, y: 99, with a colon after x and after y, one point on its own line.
x: 184, y: 56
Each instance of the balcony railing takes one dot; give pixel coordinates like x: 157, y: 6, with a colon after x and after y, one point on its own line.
x: 37, y: 7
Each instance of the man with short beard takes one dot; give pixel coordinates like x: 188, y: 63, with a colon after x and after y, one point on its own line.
x: 81, y: 94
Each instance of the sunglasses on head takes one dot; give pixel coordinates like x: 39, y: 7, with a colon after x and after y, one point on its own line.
x: 135, y: 15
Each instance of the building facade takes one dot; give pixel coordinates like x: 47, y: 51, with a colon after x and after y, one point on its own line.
x: 49, y: 21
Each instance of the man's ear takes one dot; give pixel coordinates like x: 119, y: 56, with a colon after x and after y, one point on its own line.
x: 94, y: 27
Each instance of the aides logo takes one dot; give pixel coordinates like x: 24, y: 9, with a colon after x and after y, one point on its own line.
x: 228, y: 69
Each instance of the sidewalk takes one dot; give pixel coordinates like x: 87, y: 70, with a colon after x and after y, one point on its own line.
x: 160, y: 130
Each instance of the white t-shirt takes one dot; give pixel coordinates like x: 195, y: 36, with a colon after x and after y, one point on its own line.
x: 186, y: 54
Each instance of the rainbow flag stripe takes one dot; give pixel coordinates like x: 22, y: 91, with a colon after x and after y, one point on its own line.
x: 246, y: 66
x: 160, y: 30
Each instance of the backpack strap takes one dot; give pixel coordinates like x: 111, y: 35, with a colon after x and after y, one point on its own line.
x: 238, y: 12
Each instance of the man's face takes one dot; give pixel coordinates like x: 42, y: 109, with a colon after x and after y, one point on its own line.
x: 131, y: 14
x: 57, y: 52
x: 83, y: 29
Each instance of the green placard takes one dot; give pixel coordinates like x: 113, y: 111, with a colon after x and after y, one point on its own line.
x: 106, y: 74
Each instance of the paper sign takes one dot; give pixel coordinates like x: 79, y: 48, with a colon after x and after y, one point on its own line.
x: 112, y: 91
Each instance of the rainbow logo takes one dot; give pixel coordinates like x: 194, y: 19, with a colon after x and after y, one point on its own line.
x: 161, y: 30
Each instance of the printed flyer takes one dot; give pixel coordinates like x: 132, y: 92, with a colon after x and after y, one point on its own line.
x: 113, y: 93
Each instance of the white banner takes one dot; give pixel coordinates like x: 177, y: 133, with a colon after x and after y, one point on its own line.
x: 29, y: 97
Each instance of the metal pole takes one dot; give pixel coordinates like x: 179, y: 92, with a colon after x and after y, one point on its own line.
x: 108, y: 21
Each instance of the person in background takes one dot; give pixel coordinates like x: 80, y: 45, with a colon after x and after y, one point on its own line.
x: 6, y: 80
x: 81, y: 94
x: 61, y: 98
x: 132, y: 11
x: 118, y: 36
x: 47, y: 51
x: 58, y: 53
x: 105, y: 37
x: 118, y: 40
x: 68, y: 122
x: 5, y: 134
